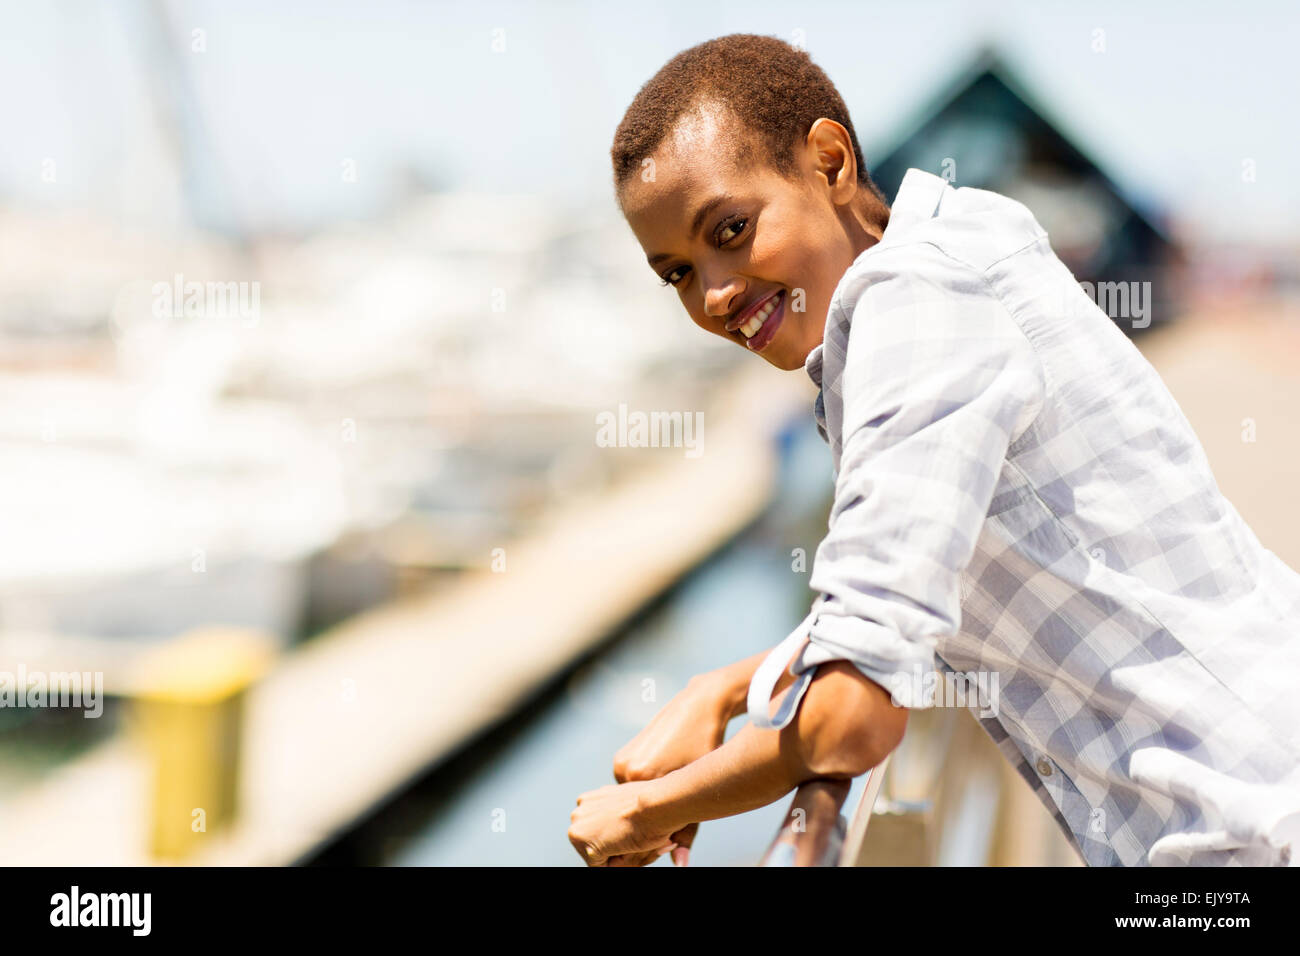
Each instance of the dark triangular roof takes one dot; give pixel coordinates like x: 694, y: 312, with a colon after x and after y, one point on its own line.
x: 988, y: 82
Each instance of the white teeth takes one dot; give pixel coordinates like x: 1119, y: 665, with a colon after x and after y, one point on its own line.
x: 758, y: 318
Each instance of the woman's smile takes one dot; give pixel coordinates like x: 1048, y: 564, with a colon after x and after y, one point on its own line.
x: 759, y: 323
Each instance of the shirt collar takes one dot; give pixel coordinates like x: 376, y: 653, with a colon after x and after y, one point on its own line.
x: 813, y: 365
x: 918, y: 198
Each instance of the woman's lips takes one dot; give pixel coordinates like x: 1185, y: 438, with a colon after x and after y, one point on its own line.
x: 744, y: 317
x: 760, y: 339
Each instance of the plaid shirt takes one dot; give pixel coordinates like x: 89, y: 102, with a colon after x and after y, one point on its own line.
x: 1018, y: 495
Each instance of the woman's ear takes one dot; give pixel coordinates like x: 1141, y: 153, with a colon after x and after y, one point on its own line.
x: 829, y: 151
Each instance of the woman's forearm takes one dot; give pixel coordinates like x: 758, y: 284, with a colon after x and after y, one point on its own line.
x: 845, y: 725
x: 752, y: 769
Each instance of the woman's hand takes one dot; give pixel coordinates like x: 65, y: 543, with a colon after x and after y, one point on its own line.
x: 610, y: 827
x: 690, y: 725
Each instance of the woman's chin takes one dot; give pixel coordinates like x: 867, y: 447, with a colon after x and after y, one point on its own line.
x: 780, y: 358
x: 786, y: 357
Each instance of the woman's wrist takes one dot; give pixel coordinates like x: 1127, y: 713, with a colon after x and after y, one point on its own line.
x: 729, y: 687
x: 659, y: 801
x: 753, y: 768
x: 733, y: 683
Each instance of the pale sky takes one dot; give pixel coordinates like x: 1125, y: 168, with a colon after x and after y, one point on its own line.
x: 286, y: 94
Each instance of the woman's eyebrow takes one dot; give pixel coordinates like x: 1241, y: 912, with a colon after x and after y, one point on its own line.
x: 704, y: 210
x: 696, y: 222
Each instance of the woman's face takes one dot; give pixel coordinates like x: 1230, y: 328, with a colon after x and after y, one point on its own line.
x: 748, y: 250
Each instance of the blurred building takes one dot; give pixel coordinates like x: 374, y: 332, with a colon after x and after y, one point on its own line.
x: 986, y: 130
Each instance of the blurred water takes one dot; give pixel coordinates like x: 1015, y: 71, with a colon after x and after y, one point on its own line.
x: 507, y: 799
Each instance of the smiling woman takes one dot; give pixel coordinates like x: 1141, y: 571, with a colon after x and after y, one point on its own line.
x: 748, y: 197
x: 752, y: 203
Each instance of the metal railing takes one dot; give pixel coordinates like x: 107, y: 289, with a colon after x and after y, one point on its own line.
x: 944, y: 796
x: 815, y: 833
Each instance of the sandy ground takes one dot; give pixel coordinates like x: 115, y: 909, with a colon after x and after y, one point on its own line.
x: 1231, y: 369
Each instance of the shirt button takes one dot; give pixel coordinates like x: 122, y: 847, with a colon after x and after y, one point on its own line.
x: 1044, y: 767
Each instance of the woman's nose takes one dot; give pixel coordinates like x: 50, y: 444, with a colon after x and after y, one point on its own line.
x: 720, y: 298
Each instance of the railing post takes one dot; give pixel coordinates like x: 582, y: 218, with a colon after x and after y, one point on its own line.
x: 813, y: 831
x: 188, y: 710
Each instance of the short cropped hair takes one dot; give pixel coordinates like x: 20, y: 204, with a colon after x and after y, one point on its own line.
x: 771, y: 87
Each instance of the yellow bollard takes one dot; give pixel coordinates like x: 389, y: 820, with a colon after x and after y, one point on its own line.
x: 188, y: 707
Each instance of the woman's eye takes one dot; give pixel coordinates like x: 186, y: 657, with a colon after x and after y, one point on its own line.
x: 674, y: 276
x: 731, y: 230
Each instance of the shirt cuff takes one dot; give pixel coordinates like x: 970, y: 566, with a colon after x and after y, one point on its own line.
x: 766, y: 675
x: 898, y: 665
x: 880, y: 653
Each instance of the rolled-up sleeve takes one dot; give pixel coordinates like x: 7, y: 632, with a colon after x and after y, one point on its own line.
x: 938, y: 382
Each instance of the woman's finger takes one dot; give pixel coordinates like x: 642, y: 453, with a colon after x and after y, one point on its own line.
x: 641, y: 858
x: 685, y: 839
